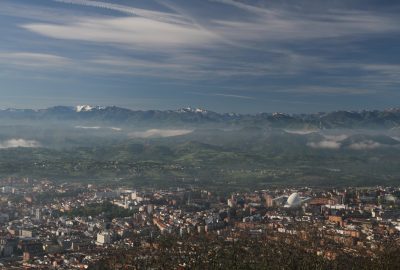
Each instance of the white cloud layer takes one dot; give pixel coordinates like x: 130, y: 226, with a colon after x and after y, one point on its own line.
x: 365, y: 145
x: 325, y: 144
x: 336, y: 138
x: 160, y: 133
x: 14, y: 143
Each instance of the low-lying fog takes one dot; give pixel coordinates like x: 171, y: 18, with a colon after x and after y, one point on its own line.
x: 71, y: 134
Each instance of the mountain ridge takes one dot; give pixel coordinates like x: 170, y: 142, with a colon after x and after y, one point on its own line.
x: 387, y: 119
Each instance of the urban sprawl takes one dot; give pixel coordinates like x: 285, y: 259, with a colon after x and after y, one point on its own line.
x: 44, y: 225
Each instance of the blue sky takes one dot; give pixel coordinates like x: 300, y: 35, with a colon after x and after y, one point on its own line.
x: 223, y: 55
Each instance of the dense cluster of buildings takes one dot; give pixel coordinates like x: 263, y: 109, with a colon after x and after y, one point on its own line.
x: 44, y: 225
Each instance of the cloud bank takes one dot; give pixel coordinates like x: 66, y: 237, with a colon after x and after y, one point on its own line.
x: 14, y: 143
x: 336, y: 138
x: 336, y: 142
x: 159, y: 133
x: 365, y: 145
x: 325, y: 145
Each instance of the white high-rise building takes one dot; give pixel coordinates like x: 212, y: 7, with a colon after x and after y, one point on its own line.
x: 103, y: 238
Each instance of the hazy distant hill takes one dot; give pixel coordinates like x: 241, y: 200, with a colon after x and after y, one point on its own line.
x: 385, y: 119
x: 194, y: 146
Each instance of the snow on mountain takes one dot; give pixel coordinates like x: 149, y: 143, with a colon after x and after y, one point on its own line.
x: 87, y: 108
x: 278, y: 114
x: 192, y: 110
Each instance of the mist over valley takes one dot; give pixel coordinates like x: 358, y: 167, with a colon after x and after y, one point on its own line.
x: 197, y: 146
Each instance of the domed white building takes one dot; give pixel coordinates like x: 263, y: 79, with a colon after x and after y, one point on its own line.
x: 293, y: 201
x: 390, y: 198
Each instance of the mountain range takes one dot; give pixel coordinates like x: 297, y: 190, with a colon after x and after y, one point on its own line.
x: 369, y: 119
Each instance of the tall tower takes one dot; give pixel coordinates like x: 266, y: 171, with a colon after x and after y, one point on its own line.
x: 38, y: 213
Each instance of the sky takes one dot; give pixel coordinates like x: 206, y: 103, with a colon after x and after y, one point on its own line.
x: 222, y: 55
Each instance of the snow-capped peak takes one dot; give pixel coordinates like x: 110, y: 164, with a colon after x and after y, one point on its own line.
x: 87, y: 108
x: 193, y: 110
x: 277, y: 114
x: 200, y: 110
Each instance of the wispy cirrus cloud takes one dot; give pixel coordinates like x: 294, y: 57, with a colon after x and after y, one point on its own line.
x: 153, y: 30
x: 272, y: 24
x: 243, y: 6
x: 233, y: 96
x: 329, y: 90
x: 223, y: 95
x: 128, y: 10
x: 280, y: 25
x: 272, y: 51
x: 34, y: 60
x: 98, y: 127
x: 145, y: 29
